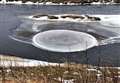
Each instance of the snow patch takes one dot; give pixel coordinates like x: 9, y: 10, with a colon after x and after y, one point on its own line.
x: 8, y: 61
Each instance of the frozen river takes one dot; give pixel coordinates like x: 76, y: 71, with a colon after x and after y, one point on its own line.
x: 10, y: 19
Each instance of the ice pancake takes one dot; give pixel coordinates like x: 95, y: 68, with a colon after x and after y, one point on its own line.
x: 64, y: 40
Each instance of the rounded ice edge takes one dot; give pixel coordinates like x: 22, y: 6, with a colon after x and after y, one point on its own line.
x: 89, y: 41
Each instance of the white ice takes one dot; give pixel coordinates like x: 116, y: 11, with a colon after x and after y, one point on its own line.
x: 106, y: 20
x: 64, y: 40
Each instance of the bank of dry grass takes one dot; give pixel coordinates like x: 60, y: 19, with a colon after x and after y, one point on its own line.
x: 58, y: 74
x: 71, y: 72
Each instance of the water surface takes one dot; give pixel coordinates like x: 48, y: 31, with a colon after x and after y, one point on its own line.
x: 9, y: 19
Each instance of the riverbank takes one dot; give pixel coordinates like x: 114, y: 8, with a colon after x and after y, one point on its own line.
x: 12, y: 61
x: 57, y: 3
x: 67, y: 73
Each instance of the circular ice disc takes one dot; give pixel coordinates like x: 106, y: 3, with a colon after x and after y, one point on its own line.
x: 64, y: 40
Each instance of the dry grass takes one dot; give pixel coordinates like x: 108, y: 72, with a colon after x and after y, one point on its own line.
x: 57, y: 74
x: 73, y: 73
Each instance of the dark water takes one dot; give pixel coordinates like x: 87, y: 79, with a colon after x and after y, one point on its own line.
x: 108, y: 54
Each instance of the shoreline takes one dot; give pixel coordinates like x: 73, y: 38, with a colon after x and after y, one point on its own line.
x: 51, y: 3
x: 9, y: 60
x: 65, y: 73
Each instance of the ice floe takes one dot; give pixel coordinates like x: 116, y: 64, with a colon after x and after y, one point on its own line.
x: 65, y: 17
x: 64, y: 40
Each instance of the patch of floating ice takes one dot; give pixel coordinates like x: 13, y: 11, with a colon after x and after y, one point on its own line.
x: 65, y: 17
x: 111, y: 40
x: 64, y: 40
x: 108, y: 17
x: 112, y: 21
x: 35, y: 26
x: 20, y: 40
x: 106, y: 20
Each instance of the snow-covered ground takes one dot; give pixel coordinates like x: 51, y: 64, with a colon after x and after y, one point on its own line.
x: 31, y: 3
x: 16, y: 61
x: 99, y: 3
x: 14, y: 2
x: 50, y: 3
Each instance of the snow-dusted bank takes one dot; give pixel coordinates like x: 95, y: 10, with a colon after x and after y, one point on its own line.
x: 51, y: 3
x: 8, y: 61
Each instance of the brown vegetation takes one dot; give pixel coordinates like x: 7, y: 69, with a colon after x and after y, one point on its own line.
x: 57, y: 74
x: 74, y: 73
